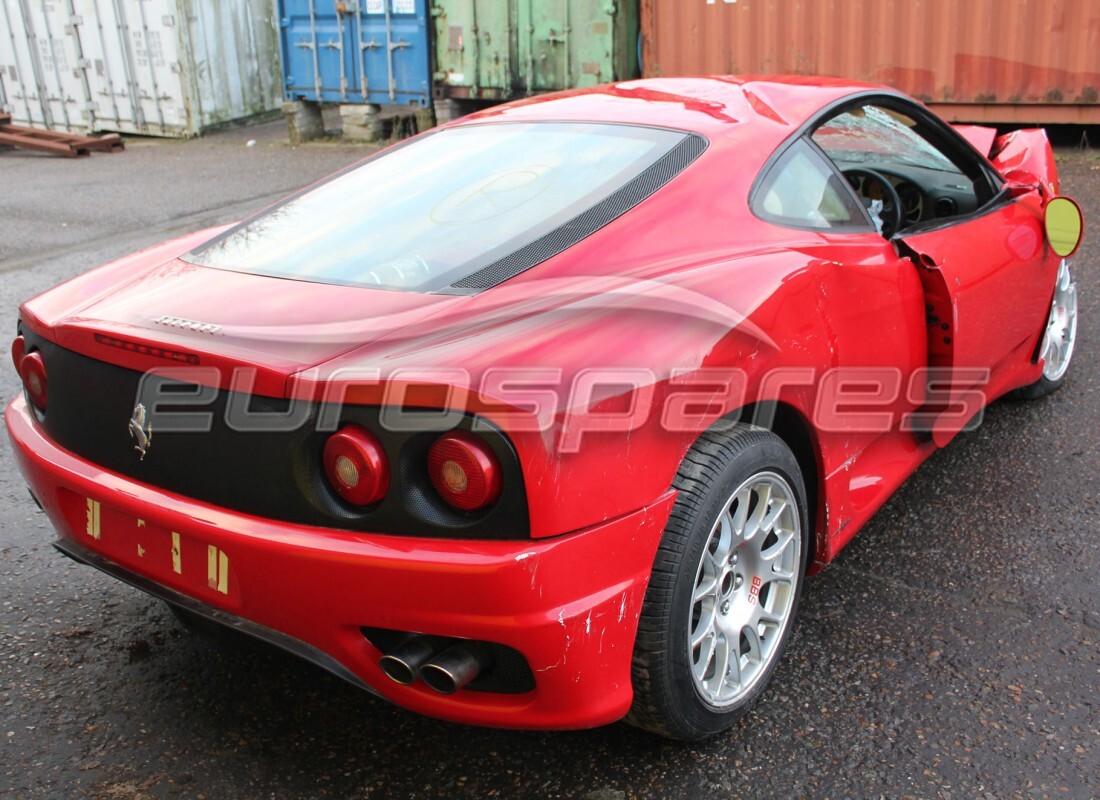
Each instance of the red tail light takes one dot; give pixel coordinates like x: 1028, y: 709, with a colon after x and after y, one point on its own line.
x: 356, y: 465
x: 18, y: 350
x: 464, y: 471
x: 33, y: 372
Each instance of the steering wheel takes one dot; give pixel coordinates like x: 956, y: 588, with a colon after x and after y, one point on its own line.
x: 866, y: 182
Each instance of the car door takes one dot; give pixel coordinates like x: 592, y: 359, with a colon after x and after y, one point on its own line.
x: 977, y: 246
x: 981, y: 278
x: 869, y: 299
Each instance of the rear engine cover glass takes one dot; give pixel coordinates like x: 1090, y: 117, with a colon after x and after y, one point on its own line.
x: 422, y: 216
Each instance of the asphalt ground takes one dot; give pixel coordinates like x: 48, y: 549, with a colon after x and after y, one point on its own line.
x: 950, y: 652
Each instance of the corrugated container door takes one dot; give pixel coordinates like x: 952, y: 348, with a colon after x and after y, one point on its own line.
x: 18, y: 68
x: 476, y: 48
x: 496, y: 50
x: 233, y: 59
x: 43, y: 64
x: 362, y: 51
x: 133, y: 55
x: 398, y: 56
x: 570, y: 43
x: 313, y: 51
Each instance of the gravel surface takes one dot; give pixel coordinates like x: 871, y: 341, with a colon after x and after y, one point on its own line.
x: 950, y: 652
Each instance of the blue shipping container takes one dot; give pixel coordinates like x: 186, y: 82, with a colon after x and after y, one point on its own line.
x: 360, y: 51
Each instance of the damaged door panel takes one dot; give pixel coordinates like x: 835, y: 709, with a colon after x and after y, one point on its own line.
x: 980, y: 278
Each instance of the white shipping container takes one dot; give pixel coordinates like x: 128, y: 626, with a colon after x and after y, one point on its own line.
x: 161, y: 67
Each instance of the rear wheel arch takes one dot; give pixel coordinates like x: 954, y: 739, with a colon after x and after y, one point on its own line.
x: 690, y: 678
x: 791, y: 425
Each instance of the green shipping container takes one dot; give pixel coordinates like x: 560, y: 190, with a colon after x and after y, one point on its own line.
x: 501, y: 49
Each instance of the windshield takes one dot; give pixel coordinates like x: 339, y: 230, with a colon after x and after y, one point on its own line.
x: 872, y: 134
x: 425, y: 215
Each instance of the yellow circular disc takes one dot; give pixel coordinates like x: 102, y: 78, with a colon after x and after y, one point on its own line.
x: 1064, y: 225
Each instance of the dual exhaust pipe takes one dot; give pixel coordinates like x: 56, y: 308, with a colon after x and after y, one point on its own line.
x: 443, y: 670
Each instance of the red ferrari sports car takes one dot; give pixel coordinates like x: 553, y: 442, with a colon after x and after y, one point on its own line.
x: 539, y: 419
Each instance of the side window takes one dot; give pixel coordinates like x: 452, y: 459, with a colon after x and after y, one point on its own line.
x: 802, y: 191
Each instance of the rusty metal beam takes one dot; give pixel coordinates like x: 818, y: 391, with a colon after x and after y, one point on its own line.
x: 55, y: 143
x: 41, y: 145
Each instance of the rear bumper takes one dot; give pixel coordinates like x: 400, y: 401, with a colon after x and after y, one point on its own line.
x: 569, y: 605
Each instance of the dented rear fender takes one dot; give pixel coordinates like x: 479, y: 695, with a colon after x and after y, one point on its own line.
x: 1025, y: 156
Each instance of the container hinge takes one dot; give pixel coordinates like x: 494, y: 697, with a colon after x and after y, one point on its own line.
x: 75, y: 20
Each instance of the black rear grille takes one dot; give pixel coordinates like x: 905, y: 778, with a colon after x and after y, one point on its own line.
x: 273, y: 474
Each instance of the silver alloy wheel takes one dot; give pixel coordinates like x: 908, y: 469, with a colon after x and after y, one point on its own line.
x: 1061, y: 332
x: 744, y: 589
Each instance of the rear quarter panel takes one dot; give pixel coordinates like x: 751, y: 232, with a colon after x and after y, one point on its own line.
x: 1025, y: 154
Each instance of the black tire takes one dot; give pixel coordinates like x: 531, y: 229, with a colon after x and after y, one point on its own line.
x: 667, y: 699
x: 1041, y: 388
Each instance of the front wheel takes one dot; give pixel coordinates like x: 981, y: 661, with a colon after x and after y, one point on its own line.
x: 725, y: 585
x: 1059, y: 338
